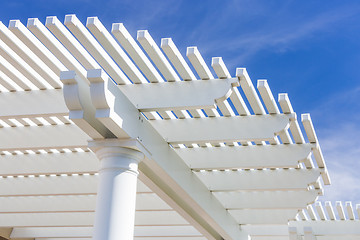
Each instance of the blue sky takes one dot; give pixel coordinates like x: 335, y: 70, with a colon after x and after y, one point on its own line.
x: 309, y: 49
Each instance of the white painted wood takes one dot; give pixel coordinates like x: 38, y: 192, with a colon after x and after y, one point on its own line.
x: 280, y: 179
x: 263, y: 216
x: 220, y: 68
x: 53, y: 185
x: 16, y: 61
x: 308, y: 234
x: 58, y: 136
x: 114, y: 50
x: 239, y: 103
x: 55, y: 46
x: 25, y: 53
x: 340, y: 210
x: 205, y: 130
x: 138, y: 56
x: 267, y: 96
x: 178, y: 95
x: 70, y: 42
x: 86, y: 232
x: 330, y: 210
x: 267, y: 199
x: 198, y: 63
x: 32, y: 104
x: 350, y: 210
x: 320, y: 211
x: 16, y: 78
x: 174, y: 55
x: 328, y: 228
x: 142, y: 218
x: 245, y: 157
x: 311, y: 212
x: 154, y: 52
x: 72, y: 203
x: 55, y: 163
x: 5, y: 82
x: 95, y: 49
x: 37, y: 47
x: 250, y: 92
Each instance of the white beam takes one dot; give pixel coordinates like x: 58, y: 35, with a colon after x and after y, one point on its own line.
x: 279, y: 179
x: 53, y: 163
x: 52, y: 136
x: 53, y: 185
x: 329, y: 228
x: 34, y: 103
x: 72, y: 203
x: 263, y: 216
x: 267, y: 199
x: 86, y: 232
x: 264, y: 156
x: 142, y: 218
x: 178, y: 95
x: 225, y: 129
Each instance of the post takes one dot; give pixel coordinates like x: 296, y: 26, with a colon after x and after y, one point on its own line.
x: 115, y: 204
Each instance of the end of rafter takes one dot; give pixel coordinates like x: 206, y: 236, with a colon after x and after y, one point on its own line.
x: 92, y: 21
x: 117, y: 27
x: 51, y: 20
x: 96, y: 75
x: 14, y: 24
x: 70, y: 19
x: 166, y: 42
x: 192, y: 51
x: 33, y: 22
x: 68, y: 77
x: 142, y: 34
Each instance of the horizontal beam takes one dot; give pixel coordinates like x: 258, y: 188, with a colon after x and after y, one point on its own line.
x: 178, y: 95
x: 35, y: 103
x: 86, y: 232
x: 256, y: 156
x: 263, y: 216
x: 72, y: 203
x: 53, y: 185
x: 51, y: 163
x: 223, y: 129
x: 279, y: 179
x: 267, y: 199
x: 40, y: 137
x: 328, y: 228
x: 142, y: 218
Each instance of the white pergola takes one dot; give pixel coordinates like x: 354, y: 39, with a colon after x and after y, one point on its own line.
x: 183, y: 154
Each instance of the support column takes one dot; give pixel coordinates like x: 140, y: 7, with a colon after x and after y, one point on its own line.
x: 115, y: 204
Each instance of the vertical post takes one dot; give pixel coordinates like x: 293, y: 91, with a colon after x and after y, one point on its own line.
x: 115, y: 204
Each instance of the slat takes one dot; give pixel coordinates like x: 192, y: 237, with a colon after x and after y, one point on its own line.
x: 57, y: 48
x: 330, y: 210
x: 311, y: 212
x: 142, y: 218
x: 207, y: 130
x: 82, y: 232
x: 219, y: 67
x: 55, y: 163
x: 14, y: 75
x: 24, y: 52
x: 350, y: 210
x: 154, y: 52
x: 320, y: 211
x: 24, y: 68
x: 285, y: 137
x: 267, y: 199
x: 71, y: 43
x: 58, y: 136
x: 72, y: 203
x: 267, y: 96
x: 225, y: 108
x: 54, y: 185
x: 38, y: 48
x: 268, y: 156
x: 280, y: 179
x: 302, y: 215
x: 198, y: 63
x: 115, y: 51
x: 174, y: 55
x: 263, y: 216
x: 239, y: 103
x: 286, y: 107
x: 182, y: 95
x: 340, y: 210
x: 5, y: 81
x: 137, y: 55
x: 249, y: 90
x: 95, y: 49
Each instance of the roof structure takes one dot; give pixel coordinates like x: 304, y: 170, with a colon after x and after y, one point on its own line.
x: 220, y: 160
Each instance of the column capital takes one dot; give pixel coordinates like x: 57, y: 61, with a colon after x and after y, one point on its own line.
x: 117, y: 154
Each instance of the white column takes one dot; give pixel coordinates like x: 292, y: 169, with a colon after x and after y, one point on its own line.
x: 115, y: 204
